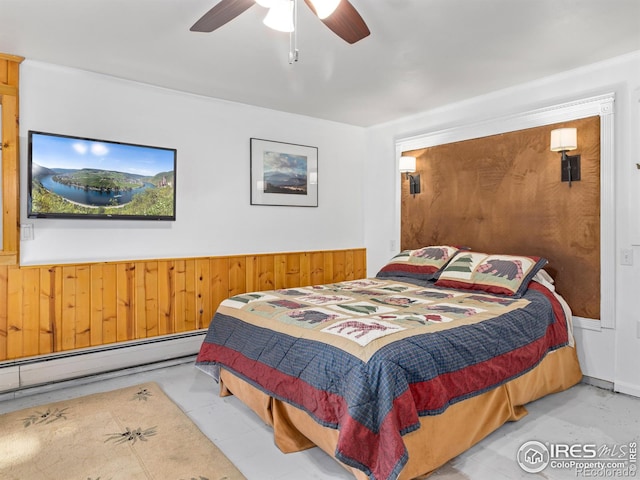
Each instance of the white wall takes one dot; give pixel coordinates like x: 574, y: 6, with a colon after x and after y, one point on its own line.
x: 607, y: 354
x: 212, y: 139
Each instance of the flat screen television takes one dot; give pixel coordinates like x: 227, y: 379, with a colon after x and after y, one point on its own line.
x: 74, y: 177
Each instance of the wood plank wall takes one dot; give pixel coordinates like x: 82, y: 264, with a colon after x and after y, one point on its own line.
x: 9, y: 177
x: 55, y: 308
x: 503, y: 194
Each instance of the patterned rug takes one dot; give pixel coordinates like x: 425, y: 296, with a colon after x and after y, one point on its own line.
x: 128, y: 434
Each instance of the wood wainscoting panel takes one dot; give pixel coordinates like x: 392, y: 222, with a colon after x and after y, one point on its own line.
x: 55, y: 308
x: 503, y: 194
x: 14, y: 327
x: 220, y: 286
x: 287, y: 270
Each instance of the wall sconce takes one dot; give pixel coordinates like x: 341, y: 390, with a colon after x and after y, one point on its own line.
x: 563, y: 140
x: 408, y: 165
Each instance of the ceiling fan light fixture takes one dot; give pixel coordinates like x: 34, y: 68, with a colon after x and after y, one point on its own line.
x: 324, y: 8
x: 280, y: 16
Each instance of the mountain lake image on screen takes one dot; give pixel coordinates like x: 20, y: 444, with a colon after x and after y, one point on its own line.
x: 74, y: 177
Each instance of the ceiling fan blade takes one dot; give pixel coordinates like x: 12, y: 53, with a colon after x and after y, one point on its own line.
x: 223, y: 12
x: 345, y: 22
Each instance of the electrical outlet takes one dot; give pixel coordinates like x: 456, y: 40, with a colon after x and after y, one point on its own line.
x: 392, y: 245
x: 626, y: 257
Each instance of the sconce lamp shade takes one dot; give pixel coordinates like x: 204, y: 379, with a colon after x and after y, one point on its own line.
x: 563, y: 139
x: 280, y: 16
x: 324, y: 8
x: 407, y: 164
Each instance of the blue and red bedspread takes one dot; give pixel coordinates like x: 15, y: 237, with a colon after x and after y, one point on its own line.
x: 369, y: 357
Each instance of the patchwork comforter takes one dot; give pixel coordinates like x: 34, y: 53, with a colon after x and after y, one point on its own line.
x: 368, y: 357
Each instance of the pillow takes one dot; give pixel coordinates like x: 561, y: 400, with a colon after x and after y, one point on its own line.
x: 501, y: 274
x: 545, y: 279
x: 422, y: 264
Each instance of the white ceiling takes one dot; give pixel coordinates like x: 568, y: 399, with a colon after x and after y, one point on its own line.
x: 421, y: 54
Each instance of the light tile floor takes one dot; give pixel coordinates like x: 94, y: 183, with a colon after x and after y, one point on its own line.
x: 582, y: 414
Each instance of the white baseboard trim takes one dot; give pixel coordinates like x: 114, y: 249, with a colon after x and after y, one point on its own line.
x: 587, y: 323
x: 627, y: 388
x: 30, y: 372
x: 596, y: 382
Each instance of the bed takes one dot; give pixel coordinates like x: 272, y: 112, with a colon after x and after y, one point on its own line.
x: 395, y: 375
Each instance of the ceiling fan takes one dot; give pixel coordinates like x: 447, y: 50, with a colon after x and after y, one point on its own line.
x: 343, y: 19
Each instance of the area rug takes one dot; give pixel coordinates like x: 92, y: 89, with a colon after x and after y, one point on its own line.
x: 128, y: 434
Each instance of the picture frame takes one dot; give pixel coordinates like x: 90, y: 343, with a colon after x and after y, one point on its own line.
x: 283, y: 174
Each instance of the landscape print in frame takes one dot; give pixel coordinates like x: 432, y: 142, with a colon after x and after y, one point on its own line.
x: 283, y: 174
x: 75, y: 177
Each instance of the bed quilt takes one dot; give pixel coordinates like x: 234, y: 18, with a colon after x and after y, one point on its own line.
x: 368, y: 357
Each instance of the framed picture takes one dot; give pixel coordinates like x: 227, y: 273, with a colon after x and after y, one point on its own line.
x: 283, y: 174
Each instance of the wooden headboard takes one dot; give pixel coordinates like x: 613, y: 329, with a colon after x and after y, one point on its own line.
x: 503, y: 194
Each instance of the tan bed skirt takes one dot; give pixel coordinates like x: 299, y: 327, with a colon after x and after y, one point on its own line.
x: 457, y: 429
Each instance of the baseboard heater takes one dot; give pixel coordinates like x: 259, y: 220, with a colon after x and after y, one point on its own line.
x: 45, y: 369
